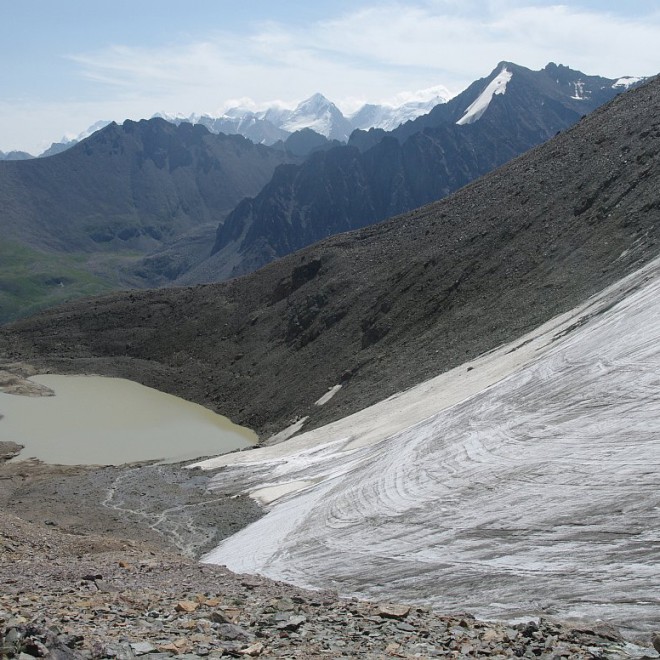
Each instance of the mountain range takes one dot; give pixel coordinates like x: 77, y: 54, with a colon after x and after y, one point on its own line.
x: 276, y: 123
x: 151, y: 203
x: 15, y: 155
x: 520, y: 485
x: 382, y: 308
x: 317, y: 113
x: 379, y: 174
x: 77, y: 222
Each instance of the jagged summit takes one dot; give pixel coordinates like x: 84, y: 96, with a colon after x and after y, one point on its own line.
x: 318, y: 113
x: 381, y: 174
x: 321, y: 115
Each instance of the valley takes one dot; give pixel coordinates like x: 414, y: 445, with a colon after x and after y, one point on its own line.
x: 158, y: 203
x: 456, y: 411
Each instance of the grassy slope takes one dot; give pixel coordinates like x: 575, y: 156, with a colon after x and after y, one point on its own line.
x: 31, y: 280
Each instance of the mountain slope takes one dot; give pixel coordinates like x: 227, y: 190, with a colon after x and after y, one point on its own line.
x: 417, y: 163
x: 425, y: 497
x: 125, y: 191
x: 385, y: 307
x: 133, y: 185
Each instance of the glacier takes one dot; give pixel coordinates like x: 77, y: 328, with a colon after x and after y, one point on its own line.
x: 526, y: 482
x: 477, y: 108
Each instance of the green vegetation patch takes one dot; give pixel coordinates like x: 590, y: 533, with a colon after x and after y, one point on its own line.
x: 31, y: 280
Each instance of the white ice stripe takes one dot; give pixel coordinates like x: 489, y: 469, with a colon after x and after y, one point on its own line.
x: 479, y: 106
x: 626, y: 82
x: 328, y: 395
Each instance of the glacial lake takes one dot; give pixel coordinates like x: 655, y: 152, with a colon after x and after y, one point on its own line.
x: 94, y: 420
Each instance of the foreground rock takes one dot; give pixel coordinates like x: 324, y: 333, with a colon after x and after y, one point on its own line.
x: 61, y: 599
x: 14, y: 379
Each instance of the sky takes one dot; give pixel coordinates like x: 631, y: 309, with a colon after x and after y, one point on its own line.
x: 67, y: 64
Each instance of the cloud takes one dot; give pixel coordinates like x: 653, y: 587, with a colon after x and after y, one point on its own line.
x: 371, y: 53
x: 376, y: 51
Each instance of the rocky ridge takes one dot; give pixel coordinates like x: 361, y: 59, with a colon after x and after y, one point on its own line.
x: 379, y: 175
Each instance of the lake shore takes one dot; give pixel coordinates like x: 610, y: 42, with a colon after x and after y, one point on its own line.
x: 97, y: 420
x: 106, y: 556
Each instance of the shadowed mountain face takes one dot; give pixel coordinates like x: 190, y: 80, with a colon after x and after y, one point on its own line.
x: 15, y: 155
x: 122, y: 193
x: 385, y: 307
x: 133, y: 185
x: 380, y: 174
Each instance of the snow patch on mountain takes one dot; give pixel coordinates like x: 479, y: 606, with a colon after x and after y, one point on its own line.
x: 477, y: 108
x: 276, y: 120
x: 626, y: 82
x: 389, y: 116
x: 96, y: 126
x: 578, y: 91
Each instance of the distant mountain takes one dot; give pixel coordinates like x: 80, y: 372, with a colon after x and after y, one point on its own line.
x: 306, y: 141
x: 381, y: 174
x: 258, y: 130
x: 383, y: 308
x: 317, y: 113
x: 121, y: 194
x: 390, y: 117
x: 66, y: 143
x: 15, y: 155
x: 276, y: 124
x: 321, y: 116
x: 58, y: 148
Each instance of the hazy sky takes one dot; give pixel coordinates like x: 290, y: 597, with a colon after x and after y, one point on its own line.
x: 68, y: 63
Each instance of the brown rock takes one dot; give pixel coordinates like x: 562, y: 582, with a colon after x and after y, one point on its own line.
x: 655, y: 640
x: 253, y: 650
x: 181, y: 643
x: 492, y: 636
x: 188, y: 606
x: 392, y: 648
x: 392, y: 611
x: 233, y: 614
x: 169, y: 648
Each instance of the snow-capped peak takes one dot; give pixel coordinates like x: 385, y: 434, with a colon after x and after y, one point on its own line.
x: 171, y: 117
x: 321, y: 115
x: 315, y: 101
x: 406, y: 106
x: 477, y: 108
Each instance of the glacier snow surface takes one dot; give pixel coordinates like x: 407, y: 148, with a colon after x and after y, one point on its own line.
x: 528, y: 484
